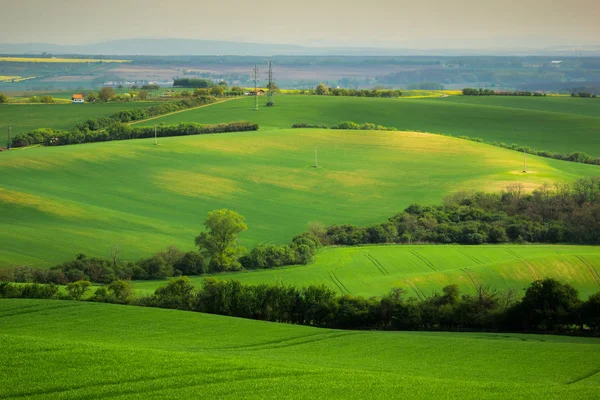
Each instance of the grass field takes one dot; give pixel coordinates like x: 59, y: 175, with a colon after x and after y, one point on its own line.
x: 72, y: 350
x: 558, y: 124
x: 423, y: 270
x: 59, y: 60
x: 58, y: 201
x: 27, y: 117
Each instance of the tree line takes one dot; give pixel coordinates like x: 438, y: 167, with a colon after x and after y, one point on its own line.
x: 324, y: 90
x: 348, y: 125
x: 586, y: 95
x: 193, y: 83
x: 121, y: 131
x: 491, y: 92
x: 547, y: 305
x: 39, y: 136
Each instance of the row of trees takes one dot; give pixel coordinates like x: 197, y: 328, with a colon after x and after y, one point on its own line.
x: 193, y: 83
x: 583, y: 95
x: 491, y: 92
x: 324, y: 90
x: 43, y: 135
x: 121, y: 131
x: 550, y: 214
x: 348, y: 125
x: 547, y: 305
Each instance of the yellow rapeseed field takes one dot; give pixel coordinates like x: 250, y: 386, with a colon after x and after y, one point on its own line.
x: 58, y: 60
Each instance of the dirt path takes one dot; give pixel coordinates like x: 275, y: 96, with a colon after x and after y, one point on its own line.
x: 180, y: 111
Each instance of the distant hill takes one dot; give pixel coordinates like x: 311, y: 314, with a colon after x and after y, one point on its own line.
x: 178, y: 47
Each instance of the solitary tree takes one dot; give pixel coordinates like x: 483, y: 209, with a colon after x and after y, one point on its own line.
x: 219, y: 241
x: 106, y: 94
x: 321, y: 89
x: 3, y: 98
x: 77, y: 289
x: 91, y: 97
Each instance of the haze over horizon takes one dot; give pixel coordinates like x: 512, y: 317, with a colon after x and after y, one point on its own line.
x: 379, y: 23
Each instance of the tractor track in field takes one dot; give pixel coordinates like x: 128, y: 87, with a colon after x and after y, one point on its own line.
x: 417, y: 290
x: 469, y: 256
x: 530, y: 269
x: 181, y: 111
x: 426, y: 261
x: 338, y: 282
x: 590, y: 267
x: 377, y: 264
x: 512, y: 253
x: 472, y: 277
x: 586, y: 376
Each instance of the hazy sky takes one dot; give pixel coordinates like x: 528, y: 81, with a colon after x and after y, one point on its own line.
x: 438, y: 23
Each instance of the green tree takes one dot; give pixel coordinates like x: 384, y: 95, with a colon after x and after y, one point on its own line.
x: 77, y: 289
x: 322, y: 89
x: 106, y: 94
x: 3, y: 98
x: 121, y: 290
x: 217, y: 91
x: 219, y: 242
x: 548, y: 303
x: 91, y: 97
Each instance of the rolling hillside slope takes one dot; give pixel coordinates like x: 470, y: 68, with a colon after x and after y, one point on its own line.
x: 141, y: 353
x: 56, y: 202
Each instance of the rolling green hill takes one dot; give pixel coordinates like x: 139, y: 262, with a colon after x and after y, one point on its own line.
x: 423, y: 270
x: 74, y: 350
x: 558, y: 124
x: 58, y: 201
x: 27, y: 117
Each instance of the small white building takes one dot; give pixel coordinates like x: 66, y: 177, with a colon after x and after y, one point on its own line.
x: 77, y: 99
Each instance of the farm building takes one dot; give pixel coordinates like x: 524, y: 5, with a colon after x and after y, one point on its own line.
x: 77, y: 99
x: 258, y: 92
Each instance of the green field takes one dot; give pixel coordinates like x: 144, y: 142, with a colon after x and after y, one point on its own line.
x: 558, y: 124
x: 27, y: 117
x: 71, y: 350
x: 58, y: 201
x: 425, y: 269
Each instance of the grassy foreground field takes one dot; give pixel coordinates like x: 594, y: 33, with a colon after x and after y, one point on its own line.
x: 58, y: 201
x: 27, y: 117
x: 558, y: 124
x: 423, y: 270
x: 140, y: 353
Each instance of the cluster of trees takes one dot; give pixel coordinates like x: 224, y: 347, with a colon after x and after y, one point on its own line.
x: 193, y: 83
x: 3, y: 98
x: 323, y: 90
x: 367, y: 126
x: 550, y: 214
x: 547, y: 306
x: 44, y: 135
x: 41, y: 99
x: 107, y: 94
x: 584, y: 95
x: 490, y: 92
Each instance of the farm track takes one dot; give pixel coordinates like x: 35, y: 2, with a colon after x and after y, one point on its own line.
x: 590, y: 267
x: 338, y: 282
x: 417, y: 290
x: 377, y: 264
x: 587, y: 376
x: 512, y: 253
x: 426, y: 261
x: 530, y: 269
x: 469, y: 256
x: 181, y: 111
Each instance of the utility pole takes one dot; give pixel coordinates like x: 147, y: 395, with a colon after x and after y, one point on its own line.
x: 9, y: 141
x: 270, y: 89
x: 316, y: 164
x: 155, y: 135
x: 524, y: 161
x: 255, y: 87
